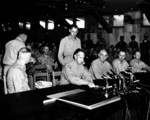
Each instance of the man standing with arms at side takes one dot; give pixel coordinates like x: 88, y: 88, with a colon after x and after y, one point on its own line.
x: 11, y: 50
x: 68, y: 45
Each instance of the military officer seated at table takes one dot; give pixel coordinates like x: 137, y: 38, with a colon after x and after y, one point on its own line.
x: 120, y: 64
x: 75, y: 73
x: 101, y: 67
x: 16, y: 79
x: 138, y: 66
x: 140, y: 69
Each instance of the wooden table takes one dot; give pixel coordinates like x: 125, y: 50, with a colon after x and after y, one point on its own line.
x: 30, y: 105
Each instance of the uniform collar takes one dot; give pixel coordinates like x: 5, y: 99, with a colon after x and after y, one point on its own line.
x: 19, y: 39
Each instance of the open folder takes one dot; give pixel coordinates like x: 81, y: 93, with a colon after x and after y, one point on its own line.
x: 84, y: 99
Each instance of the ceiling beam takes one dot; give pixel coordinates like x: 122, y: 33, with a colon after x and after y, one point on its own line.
x: 145, y: 7
x: 101, y: 20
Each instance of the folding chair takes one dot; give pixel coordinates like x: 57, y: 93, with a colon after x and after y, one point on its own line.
x: 41, y: 73
x: 56, y: 77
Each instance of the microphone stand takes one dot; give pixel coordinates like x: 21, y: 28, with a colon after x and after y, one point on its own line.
x: 114, y: 77
x: 106, y: 86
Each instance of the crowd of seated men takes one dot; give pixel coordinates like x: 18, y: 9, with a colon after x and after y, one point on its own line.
x: 120, y: 56
x: 99, y: 60
x: 44, y: 54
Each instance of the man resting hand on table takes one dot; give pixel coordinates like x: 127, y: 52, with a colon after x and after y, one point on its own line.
x: 75, y: 73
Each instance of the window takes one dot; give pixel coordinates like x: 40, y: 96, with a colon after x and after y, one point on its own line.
x: 145, y: 21
x: 50, y: 25
x: 118, y: 20
x: 43, y: 23
x: 28, y: 25
x: 80, y: 22
x: 69, y: 20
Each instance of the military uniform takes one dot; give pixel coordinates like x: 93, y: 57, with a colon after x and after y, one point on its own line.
x: 66, y: 49
x: 74, y: 73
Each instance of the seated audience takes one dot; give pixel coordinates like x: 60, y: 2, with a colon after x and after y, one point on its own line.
x: 16, y: 79
x: 129, y: 54
x: 33, y: 58
x: 133, y: 44
x: 53, y: 54
x: 137, y: 64
x: 120, y: 64
x: 90, y: 56
x: 122, y: 45
x: 75, y: 73
x: 100, y: 67
x: 54, y: 51
x: 101, y: 42
x: 89, y: 42
x: 46, y: 59
x: 112, y: 54
x: 37, y: 49
x: 145, y: 49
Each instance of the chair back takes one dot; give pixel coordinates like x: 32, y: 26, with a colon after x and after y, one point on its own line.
x: 4, y: 84
x: 40, y: 72
x: 56, y: 77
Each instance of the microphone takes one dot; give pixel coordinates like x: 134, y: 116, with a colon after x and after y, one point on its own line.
x: 113, y: 72
x: 104, y: 76
x: 110, y: 74
x: 116, y: 76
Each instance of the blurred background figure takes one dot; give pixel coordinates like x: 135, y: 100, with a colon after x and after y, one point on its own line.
x: 46, y: 59
x: 89, y: 42
x: 145, y: 49
x: 111, y: 54
x: 129, y: 54
x: 101, y: 42
x: 133, y: 44
x: 122, y: 45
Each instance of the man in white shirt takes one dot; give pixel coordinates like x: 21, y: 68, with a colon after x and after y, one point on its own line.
x: 120, y: 64
x: 11, y: 50
x: 16, y: 78
x: 75, y: 73
x: 100, y: 67
x: 68, y: 45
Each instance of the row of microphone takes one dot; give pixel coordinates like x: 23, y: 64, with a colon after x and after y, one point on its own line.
x: 113, y: 74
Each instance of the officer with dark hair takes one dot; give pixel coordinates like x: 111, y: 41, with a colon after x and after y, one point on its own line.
x: 75, y: 73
